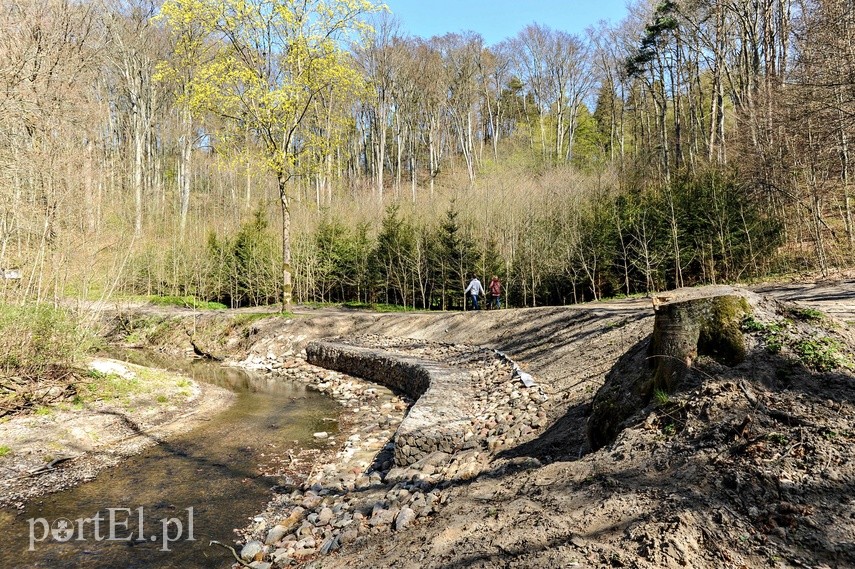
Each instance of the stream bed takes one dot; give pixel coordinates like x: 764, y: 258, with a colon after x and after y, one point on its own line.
x: 161, y: 508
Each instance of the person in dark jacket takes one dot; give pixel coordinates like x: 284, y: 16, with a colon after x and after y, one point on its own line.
x: 495, y: 292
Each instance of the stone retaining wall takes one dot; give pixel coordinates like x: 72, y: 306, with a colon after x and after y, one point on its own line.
x: 437, y: 422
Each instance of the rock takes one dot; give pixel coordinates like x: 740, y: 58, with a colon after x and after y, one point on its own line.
x: 260, y: 565
x: 382, y: 517
x: 324, y: 517
x: 330, y: 545
x: 303, y: 553
x: 362, y: 482
x: 404, y: 519
x: 348, y: 536
x: 396, y: 475
x: 275, y: 534
x: 321, y: 435
x: 305, y: 530
x: 310, y: 501
x: 251, y: 550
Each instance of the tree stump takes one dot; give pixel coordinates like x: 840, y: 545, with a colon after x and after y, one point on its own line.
x: 682, y: 330
x: 699, y: 326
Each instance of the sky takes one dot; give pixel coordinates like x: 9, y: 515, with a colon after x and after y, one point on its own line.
x: 497, y: 20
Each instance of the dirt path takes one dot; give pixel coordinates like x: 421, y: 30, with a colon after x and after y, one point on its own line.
x: 836, y: 298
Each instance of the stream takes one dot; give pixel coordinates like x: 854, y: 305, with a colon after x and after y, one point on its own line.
x: 202, y: 484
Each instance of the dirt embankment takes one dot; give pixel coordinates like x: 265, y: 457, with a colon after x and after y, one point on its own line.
x: 746, y: 466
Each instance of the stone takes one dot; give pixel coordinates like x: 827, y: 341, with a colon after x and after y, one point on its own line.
x: 382, y: 517
x: 275, y: 534
x: 362, y: 482
x: 348, y: 536
x: 404, y: 519
x: 260, y: 565
x: 249, y: 551
x: 324, y: 517
x: 330, y: 545
x: 305, y: 530
x: 310, y: 501
x: 303, y: 553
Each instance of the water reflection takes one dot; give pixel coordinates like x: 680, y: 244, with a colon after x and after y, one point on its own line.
x: 214, y: 470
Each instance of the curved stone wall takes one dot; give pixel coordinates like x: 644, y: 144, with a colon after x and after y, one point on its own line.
x: 437, y: 421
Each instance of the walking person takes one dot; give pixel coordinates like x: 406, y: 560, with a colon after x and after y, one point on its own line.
x: 473, y: 290
x: 496, y: 292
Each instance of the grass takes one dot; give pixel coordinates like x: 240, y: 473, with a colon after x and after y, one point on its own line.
x: 108, y: 387
x: 186, y: 302
x: 4, y: 450
x: 145, y: 384
x: 622, y: 296
x: 661, y: 397
x: 36, y: 340
x: 377, y: 307
x: 357, y: 305
x: 777, y: 438
x: 808, y: 314
x: 822, y: 353
x: 772, y: 333
x: 250, y: 317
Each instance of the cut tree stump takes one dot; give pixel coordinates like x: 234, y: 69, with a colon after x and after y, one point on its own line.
x: 683, y: 329
x: 700, y: 326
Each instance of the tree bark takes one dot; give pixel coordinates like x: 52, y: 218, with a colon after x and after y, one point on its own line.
x: 683, y: 330
x: 287, y: 287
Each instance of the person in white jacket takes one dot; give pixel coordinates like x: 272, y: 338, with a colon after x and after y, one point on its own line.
x: 474, y: 289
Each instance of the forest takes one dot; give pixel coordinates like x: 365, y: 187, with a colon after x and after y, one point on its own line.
x: 252, y: 152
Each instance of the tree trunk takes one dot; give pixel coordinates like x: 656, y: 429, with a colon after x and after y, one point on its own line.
x: 683, y: 330
x: 286, y: 241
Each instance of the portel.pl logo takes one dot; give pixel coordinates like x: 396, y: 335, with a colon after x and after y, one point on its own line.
x: 118, y: 525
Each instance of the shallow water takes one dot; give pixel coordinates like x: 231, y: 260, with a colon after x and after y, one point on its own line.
x: 213, y: 469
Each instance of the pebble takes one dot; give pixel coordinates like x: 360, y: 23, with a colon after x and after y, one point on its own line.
x: 404, y: 519
x: 275, y: 534
x: 251, y: 550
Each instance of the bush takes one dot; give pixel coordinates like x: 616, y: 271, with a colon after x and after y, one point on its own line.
x: 36, y: 340
x: 39, y: 347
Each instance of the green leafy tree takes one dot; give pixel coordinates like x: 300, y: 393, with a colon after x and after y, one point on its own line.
x: 453, y: 259
x: 241, y: 266
x: 273, y: 60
